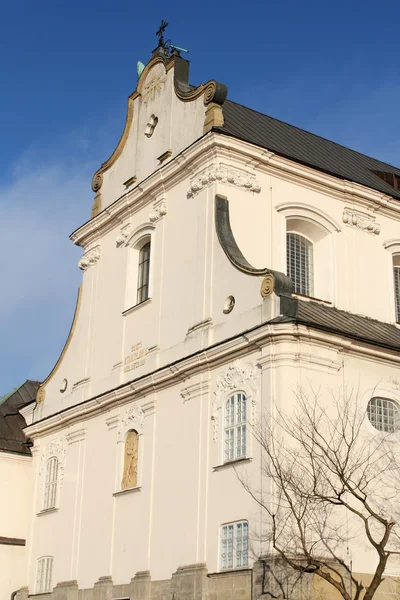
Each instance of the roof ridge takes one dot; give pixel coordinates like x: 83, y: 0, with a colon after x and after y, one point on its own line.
x: 313, y: 134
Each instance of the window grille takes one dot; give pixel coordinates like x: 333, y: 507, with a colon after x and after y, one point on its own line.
x: 299, y: 262
x: 50, y: 486
x: 235, y: 427
x: 384, y: 414
x: 43, y: 574
x: 396, y: 274
x: 235, y: 545
x: 143, y: 274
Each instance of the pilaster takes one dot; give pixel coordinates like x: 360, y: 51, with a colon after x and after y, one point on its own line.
x: 103, y: 588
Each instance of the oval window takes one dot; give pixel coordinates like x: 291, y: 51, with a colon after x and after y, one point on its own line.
x: 384, y: 414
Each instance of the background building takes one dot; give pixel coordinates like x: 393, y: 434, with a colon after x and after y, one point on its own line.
x: 16, y: 487
x: 187, y: 328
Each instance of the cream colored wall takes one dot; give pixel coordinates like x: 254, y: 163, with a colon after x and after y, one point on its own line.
x: 15, y: 477
x: 174, y: 517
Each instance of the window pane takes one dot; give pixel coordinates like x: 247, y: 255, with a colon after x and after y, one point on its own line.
x: 299, y: 262
x: 384, y: 414
x: 235, y: 427
x: 143, y: 274
x: 234, y: 545
x: 396, y: 273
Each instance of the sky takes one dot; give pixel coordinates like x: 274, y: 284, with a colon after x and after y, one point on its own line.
x: 67, y: 68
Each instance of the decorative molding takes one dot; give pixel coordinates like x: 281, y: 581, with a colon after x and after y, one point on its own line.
x: 90, y: 258
x: 58, y: 448
x: 80, y: 383
x: 113, y: 422
x: 76, y: 436
x: 159, y: 210
x: 123, y: 235
x: 224, y: 174
x: 361, y: 221
x: 308, y: 211
x: 164, y: 156
x: 238, y: 376
x: 131, y: 418
x: 195, y: 390
x: 153, y: 87
x: 205, y: 324
x: 393, y: 244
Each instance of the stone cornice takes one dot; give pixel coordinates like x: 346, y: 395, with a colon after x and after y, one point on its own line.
x: 240, y: 346
x: 205, y: 153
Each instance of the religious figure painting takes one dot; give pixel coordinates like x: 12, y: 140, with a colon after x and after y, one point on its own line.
x: 129, y: 477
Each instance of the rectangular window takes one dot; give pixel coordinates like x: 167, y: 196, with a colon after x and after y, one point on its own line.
x: 396, y: 274
x: 50, y: 486
x: 299, y: 263
x: 235, y: 545
x: 43, y: 574
x: 235, y: 427
x: 143, y: 274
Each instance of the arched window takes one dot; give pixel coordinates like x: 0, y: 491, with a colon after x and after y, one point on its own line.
x: 234, y: 545
x: 300, y: 263
x: 143, y: 273
x: 131, y: 455
x: 384, y: 414
x: 396, y: 280
x: 235, y: 427
x: 43, y: 574
x: 50, y: 485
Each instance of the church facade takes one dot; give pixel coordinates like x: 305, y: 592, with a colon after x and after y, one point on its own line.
x: 229, y: 259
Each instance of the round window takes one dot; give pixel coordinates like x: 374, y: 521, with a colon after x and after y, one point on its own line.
x: 384, y: 414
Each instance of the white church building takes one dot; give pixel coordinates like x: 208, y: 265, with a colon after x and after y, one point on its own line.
x: 229, y: 258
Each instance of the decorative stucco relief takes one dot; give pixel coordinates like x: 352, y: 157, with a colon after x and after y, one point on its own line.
x: 131, y: 418
x: 90, y: 258
x: 123, y: 235
x: 159, y: 210
x: 153, y: 87
x: 58, y: 448
x: 224, y: 174
x: 360, y: 221
x: 238, y: 376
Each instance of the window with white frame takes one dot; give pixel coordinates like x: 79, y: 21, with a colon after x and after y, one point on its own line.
x: 300, y: 263
x: 143, y: 273
x: 44, y: 571
x: 235, y: 427
x: 50, y: 484
x: 384, y: 414
x: 396, y: 281
x: 234, y: 545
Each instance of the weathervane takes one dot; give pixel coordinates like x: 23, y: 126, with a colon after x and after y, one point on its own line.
x: 160, y: 33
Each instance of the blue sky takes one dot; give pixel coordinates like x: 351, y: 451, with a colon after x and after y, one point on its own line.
x: 67, y: 69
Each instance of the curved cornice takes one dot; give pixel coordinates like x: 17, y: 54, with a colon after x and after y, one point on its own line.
x: 213, y: 92
x: 281, y: 283
x: 303, y: 210
x: 40, y: 396
x: 393, y: 244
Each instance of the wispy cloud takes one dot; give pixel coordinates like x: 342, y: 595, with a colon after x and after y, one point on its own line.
x: 40, y: 205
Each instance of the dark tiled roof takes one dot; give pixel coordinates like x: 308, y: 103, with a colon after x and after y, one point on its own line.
x: 304, y: 147
x: 356, y: 327
x: 12, y: 437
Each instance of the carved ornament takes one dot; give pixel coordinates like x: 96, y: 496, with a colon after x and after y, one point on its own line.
x: 90, y: 258
x: 123, y: 235
x: 153, y: 87
x: 159, y: 211
x: 131, y: 418
x: 267, y: 285
x: 361, y: 221
x: 238, y: 376
x: 40, y: 395
x: 58, y: 448
x: 221, y: 174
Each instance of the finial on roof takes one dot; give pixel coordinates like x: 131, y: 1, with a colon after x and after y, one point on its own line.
x: 160, y: 33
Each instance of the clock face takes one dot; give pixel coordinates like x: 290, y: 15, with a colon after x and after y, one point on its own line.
x: 64, y: 385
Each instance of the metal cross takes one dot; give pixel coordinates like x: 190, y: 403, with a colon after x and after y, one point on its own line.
x: 160, y: 32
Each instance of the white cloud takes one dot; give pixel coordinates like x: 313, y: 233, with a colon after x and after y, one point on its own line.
x: 39, y: 207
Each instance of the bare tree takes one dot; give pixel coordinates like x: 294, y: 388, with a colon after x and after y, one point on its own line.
x: 327, y: 484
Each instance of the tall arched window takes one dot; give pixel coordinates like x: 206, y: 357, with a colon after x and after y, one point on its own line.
x: 300, y: 263
x: 50, y: 485
x: 235, y: 427
x: 131, y: 455
x: 44, y: 571
x: 143, y: 273
x: 396, y: 280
